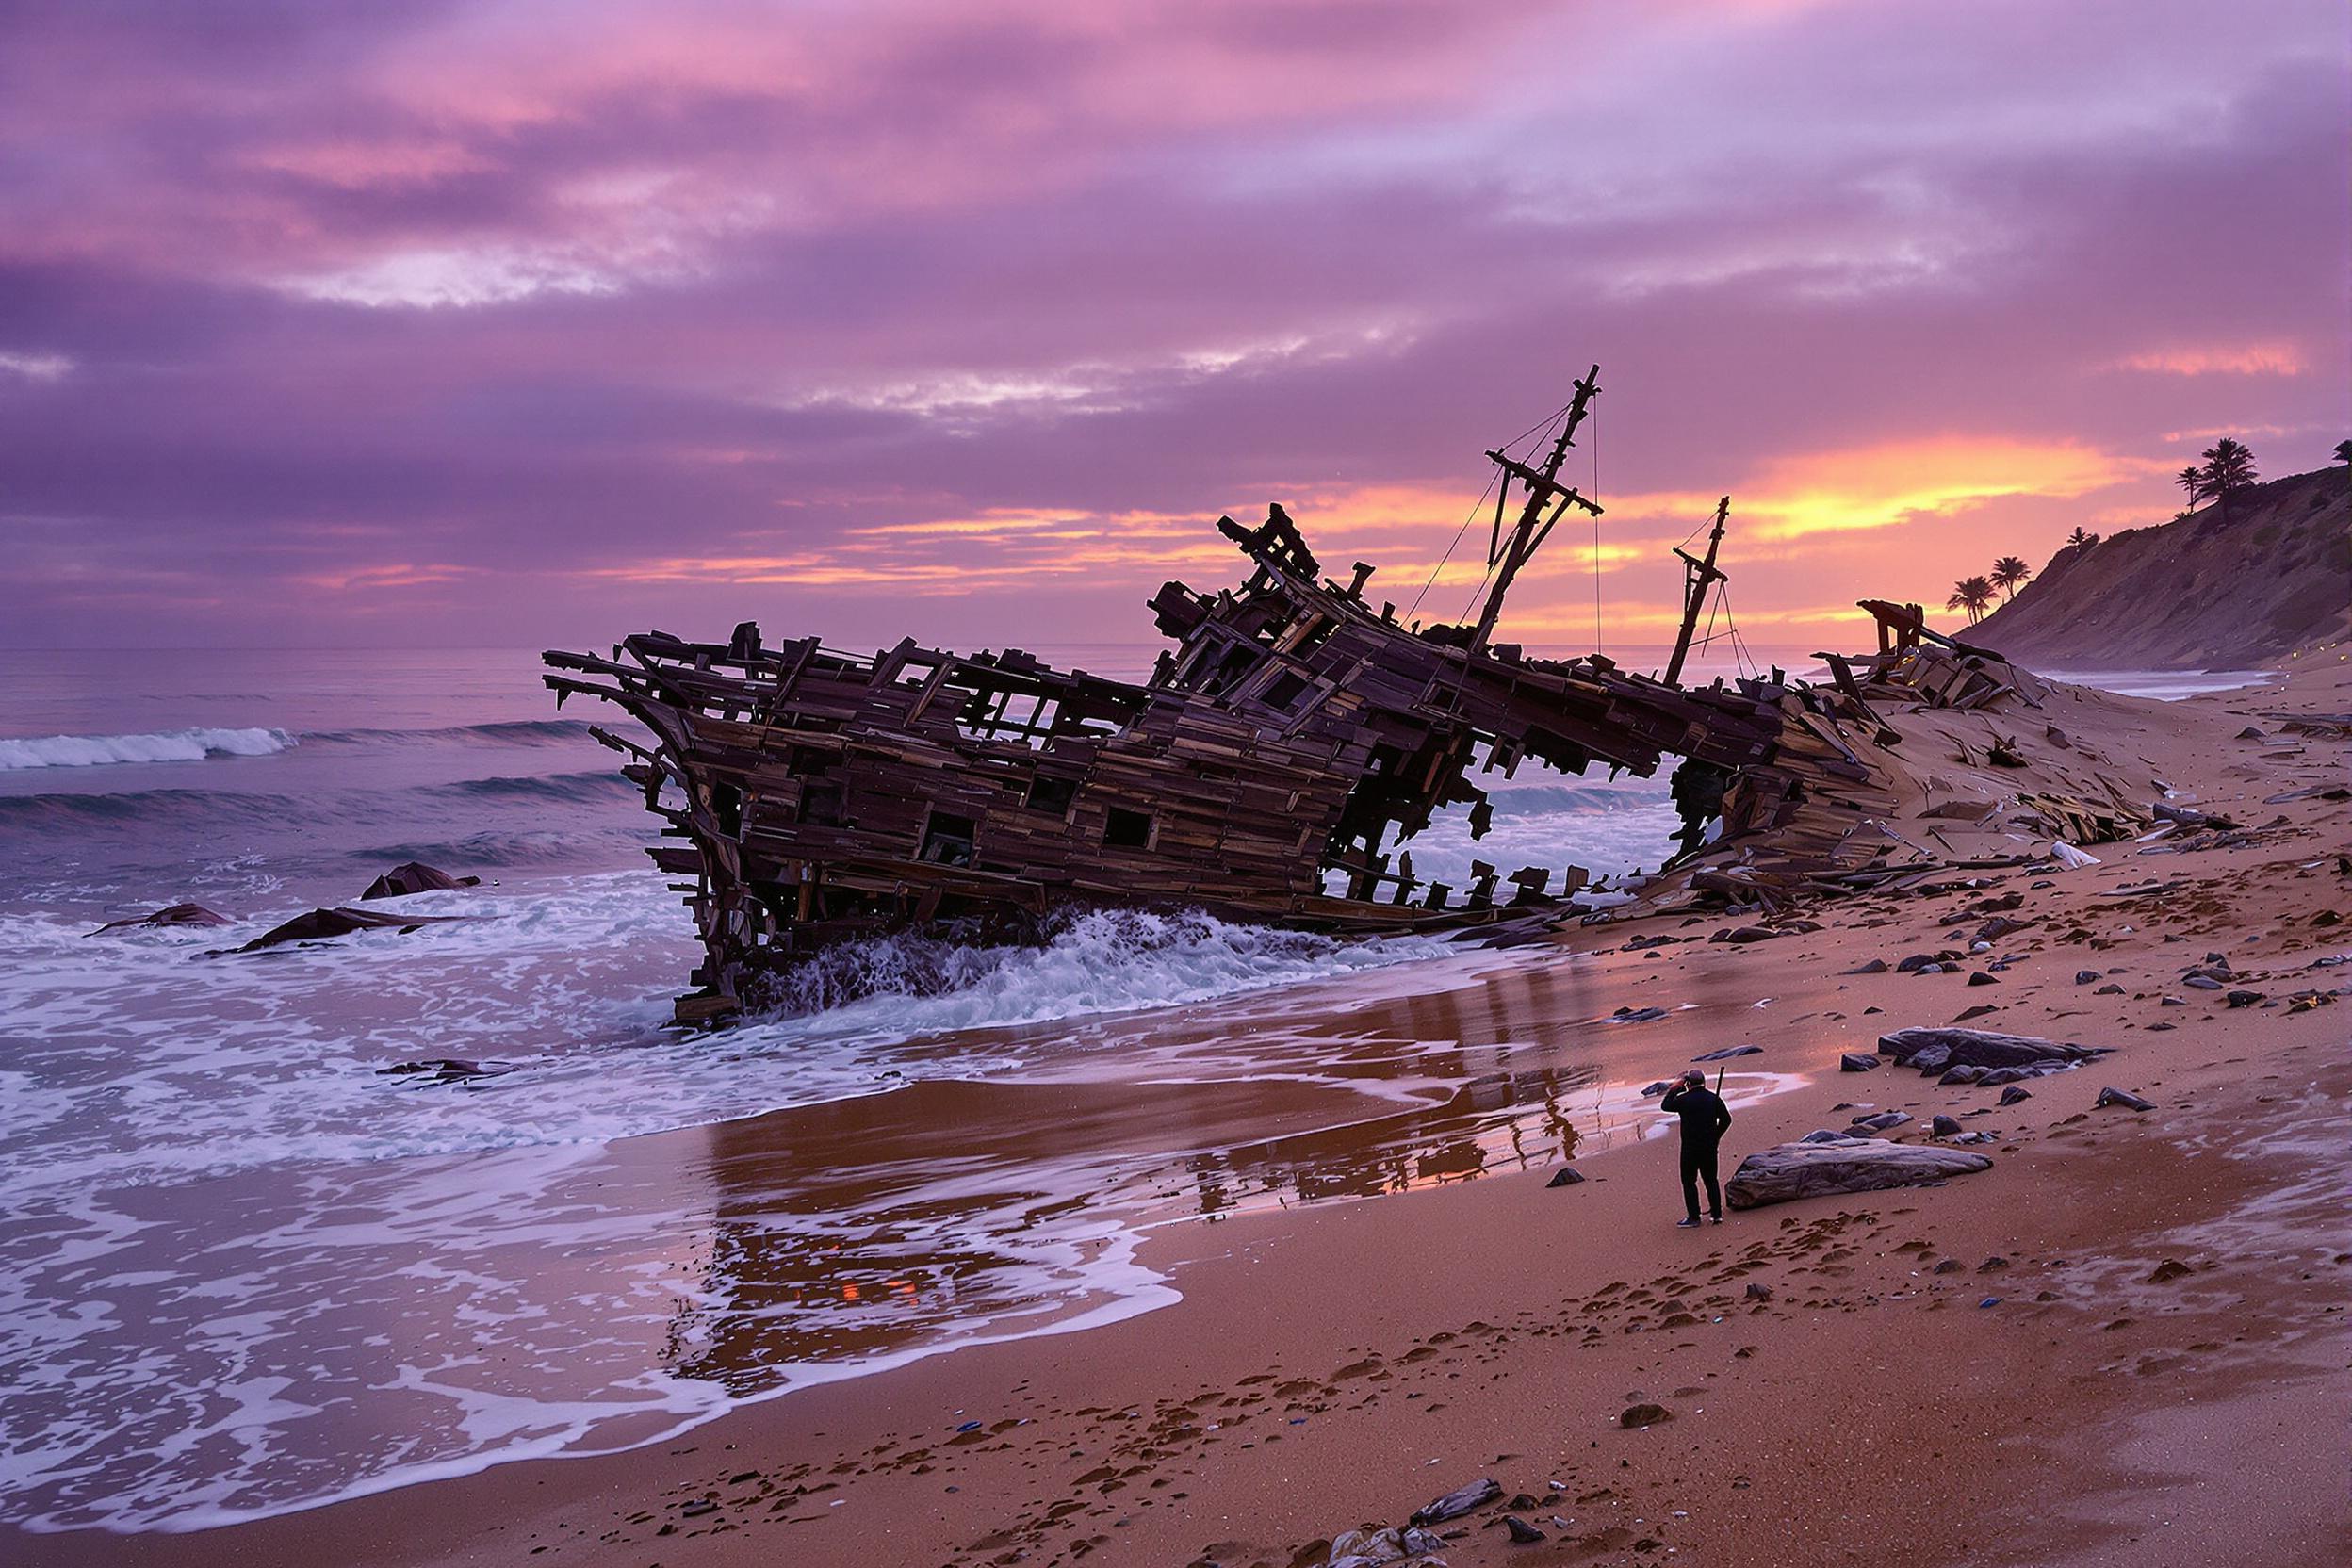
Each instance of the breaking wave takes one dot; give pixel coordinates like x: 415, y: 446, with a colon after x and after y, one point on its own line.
x: 167, y: 745
x: 1091, y: 961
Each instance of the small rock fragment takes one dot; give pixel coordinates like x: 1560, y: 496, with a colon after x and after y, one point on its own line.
x: 2127, y: 1101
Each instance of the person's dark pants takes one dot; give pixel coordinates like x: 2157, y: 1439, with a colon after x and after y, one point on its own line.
x: 1698, y: 1161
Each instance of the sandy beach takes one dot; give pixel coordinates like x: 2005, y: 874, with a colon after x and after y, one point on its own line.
x: 2123, y: 1344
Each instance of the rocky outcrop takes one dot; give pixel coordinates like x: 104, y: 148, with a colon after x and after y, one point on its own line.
x: 2203, y: 592
x: 1789, y: 1172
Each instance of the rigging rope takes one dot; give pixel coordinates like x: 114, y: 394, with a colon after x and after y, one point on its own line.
x: 1478, y: 506
x: 1596, y: 531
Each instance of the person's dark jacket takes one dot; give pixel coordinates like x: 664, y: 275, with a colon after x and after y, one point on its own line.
x: 1702, y: 1112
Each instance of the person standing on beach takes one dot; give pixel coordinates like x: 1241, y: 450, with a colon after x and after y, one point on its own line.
x: 1704, y: 1118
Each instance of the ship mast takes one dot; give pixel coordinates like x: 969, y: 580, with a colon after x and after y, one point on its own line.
x: 1547, y: 500
x: 1697, y: 578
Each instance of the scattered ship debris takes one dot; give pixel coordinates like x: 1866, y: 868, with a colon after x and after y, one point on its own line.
x: 1273, y: 767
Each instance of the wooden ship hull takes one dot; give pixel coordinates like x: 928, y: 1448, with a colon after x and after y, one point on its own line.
x: 1269, y: 769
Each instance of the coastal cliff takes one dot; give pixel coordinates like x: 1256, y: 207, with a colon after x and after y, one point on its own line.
x: 2197, y: 593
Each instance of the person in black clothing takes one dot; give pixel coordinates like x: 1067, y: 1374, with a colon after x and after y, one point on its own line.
x: 1704, y: 1118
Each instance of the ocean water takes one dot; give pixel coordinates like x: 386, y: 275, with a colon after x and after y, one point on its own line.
x: 244, y: 1269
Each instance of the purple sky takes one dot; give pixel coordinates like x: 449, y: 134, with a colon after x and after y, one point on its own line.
x: 329, y: 323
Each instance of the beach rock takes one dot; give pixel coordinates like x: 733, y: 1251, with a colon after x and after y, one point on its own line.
x: 1981, y: 978
x: 174, y: 914
x: 2127, y: 1101
x: 1942, y: 1127
x: 1521, y: 1532
x: 1950, y: 1266
x: 1728, y: 1052
x: 2202, y: 982
x: 1566, y: 1176
x: 1794, y: 1170
x: 1659, y: 1087
x: 1918, y: 1047
x: 1857, y: 1061
x: 1643, y: 1415
x: 415, y: 876
x: 1876, y: 966
x: 2167, y: 1271
x: 1459, y: 1502
x: 1963, y: 1076
x: 1883, y: 1121
x: 1636, y: 1015
x: 1822, y: 1135
x: 2110, y: 990
x: 2086, y: 978
x: 1760, y: 1292
x: 320, y: 924
x: 1368, y: 1547
x: 2243, y: 999
x: 1914, y: 963
x: 1977, y: 1137
x: 1749, y: 934
x: 2250, y: 733
x: 1978, y: 1011
x: 441, y: 1069
x: 2013, y: 1095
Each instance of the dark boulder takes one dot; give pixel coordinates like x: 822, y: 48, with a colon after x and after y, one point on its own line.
x: 322, y: 925
x: 1566, y: 1176
x: 2127, y: 1101
x: 1943, y: 1127
x: 176, y: 914
x: 1857, y: 1061
x: 415, y: 876
x: 1644, y: 1415
x: 1945, y: 1046
x: 1794, y: 1170
x: 2013, y: 1095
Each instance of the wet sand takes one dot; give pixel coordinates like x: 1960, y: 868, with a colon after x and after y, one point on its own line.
x: 1336, y: 1363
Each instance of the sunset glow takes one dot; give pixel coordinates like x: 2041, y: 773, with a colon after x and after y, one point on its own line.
x: 320, y: 322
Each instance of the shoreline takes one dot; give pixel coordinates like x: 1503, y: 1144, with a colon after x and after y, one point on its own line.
x: 1470, y: 1276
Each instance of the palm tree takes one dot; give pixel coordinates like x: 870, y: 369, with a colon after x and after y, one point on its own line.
x: 1971, y: 594
x: 2344, y: 452
x: 2228, y: 468
x: 2008, y: 572
x: 2191, y: 480
x: 2081, y: 540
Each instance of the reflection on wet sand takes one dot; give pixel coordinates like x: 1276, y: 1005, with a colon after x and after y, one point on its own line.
x: 864, y: 1229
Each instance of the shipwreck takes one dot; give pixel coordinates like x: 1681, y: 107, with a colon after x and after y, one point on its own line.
x: 1272, y: 768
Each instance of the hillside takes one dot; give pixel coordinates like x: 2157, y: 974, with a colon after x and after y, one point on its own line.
x: 2194, y: 593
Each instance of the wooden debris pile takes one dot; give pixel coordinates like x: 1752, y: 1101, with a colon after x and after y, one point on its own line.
x: 1916, y: 664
